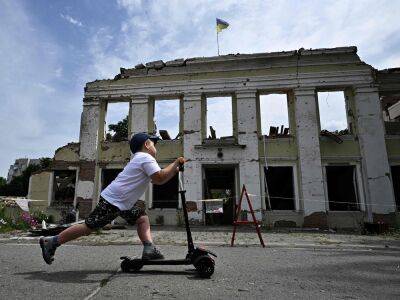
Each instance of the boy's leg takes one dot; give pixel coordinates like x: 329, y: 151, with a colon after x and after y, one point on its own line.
x: 137, y: 215
x: 73, y: 233
x: 50, y: 244
x: 143, y: 229
x: 103, y: 214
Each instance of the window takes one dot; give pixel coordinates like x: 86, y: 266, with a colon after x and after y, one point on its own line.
x: 219, y: 117
x: 116, y: 122
x: 274, y: 115
x: 166, y: 195
x: 108, y: 175
x: 64, y: 187
x: 396, y: 184
x: 342, y: 188
x: 166, y: 118
x: 279, y: 192
x: 332, y: 112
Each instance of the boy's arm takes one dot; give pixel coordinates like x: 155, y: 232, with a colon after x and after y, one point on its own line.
x: 164, y: 175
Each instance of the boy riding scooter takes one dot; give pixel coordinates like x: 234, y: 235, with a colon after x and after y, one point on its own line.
x: 120, y: 198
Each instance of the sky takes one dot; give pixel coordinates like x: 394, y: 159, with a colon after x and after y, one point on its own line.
x: 50, y: 49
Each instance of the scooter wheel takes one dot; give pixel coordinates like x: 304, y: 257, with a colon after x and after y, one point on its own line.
x: 205, y: 266
x: 128, y: 265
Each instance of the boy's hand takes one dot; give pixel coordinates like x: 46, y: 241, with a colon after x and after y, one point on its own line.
x: 181, y: 160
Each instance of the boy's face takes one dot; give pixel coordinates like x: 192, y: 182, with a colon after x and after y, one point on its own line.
x: 150, y: 148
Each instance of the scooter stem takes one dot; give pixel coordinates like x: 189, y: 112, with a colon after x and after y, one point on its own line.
x: 184, y: 208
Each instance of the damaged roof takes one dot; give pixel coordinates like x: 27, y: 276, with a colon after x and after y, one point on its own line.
x: 216, y: 63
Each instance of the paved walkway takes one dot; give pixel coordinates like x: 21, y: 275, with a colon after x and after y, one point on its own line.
x: 221, y: 236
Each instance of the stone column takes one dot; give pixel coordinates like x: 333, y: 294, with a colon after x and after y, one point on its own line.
x: 139, y: 114
x: 309, y: 155
x: 88, y: 139
x: 139, y: 118
x: 192, y: 110
x: 249, y: 166
x: 375, y: 166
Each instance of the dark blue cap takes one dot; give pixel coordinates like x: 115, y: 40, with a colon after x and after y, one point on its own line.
x: 138, y: 140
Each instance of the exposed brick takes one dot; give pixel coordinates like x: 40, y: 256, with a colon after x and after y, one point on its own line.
x: 86, y: 170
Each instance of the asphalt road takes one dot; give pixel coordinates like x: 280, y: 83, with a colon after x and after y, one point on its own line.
x: 92, y: 272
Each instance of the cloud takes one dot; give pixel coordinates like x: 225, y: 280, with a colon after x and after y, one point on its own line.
x: 36, y: 114
x: 71, y: 20
x: 173, y: 29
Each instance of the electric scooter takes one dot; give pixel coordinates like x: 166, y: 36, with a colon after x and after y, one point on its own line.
x: 198, y: 257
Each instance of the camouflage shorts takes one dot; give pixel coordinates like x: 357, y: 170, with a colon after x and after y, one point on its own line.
x: 105, y: 212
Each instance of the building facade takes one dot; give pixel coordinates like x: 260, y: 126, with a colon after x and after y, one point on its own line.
x: 20, y: 166
x: 298, y: 176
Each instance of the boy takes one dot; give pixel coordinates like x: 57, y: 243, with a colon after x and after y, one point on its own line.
x: 120, y: 198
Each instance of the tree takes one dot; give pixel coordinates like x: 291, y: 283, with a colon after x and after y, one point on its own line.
x: 19, y: 185
x: 3, y: 183
x: 45, y: 163
x: 120, y: 129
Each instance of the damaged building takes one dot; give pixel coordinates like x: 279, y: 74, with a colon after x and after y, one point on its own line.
x: 298, y: 173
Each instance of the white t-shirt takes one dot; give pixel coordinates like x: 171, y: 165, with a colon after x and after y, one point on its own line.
x: 132, y: 182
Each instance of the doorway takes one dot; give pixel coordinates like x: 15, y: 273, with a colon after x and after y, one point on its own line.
x: 219, y: 182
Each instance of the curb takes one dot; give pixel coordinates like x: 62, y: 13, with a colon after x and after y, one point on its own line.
x: 333, y: 246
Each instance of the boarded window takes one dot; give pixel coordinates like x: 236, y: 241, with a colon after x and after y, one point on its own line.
x: 280, y: 188
x: 219, y: 117
x: 64, y: 187
x: 166, y: 195
x: 166, y: 118
x: 342, y: 188
x: 274, y: 114
x: 116, y: 122
x: 332, y: 112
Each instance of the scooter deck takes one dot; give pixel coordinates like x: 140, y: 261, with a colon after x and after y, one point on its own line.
x: 159, y: 261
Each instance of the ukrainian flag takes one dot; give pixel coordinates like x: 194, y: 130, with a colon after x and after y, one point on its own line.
x: 221, y: 24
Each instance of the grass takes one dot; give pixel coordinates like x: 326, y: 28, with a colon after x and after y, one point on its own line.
x: 6, y: 228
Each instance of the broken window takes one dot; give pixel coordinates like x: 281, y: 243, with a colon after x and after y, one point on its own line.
x: 274, y: 115
x: 166, y: 118
x: 219, y: 118
x: 391, y: 114
x: 166, y: 195
x: 116, y: 122
x: 342, y: 187
x: 396, y: 184
x: 279, y: 192
x: 332, y: 112
x: 64, y: 187
x: 108, y: 175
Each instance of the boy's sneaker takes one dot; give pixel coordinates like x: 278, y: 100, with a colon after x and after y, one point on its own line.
x: 48, y: 249
x: 151, y: 253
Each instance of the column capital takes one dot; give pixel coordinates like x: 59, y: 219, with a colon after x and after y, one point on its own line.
x: 91, y: 101
x: 139, y: 99
x: 248, y: 93
x: 192, y: 96
x: 360, y: 89
x: 309, y: 91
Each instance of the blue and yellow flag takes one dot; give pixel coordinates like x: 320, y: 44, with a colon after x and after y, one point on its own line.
x: 221, y: 24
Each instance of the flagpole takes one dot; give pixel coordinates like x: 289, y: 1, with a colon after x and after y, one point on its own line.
x: 217, y: 42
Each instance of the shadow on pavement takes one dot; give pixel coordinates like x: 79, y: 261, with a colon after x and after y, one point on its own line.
x: 65, y: 276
